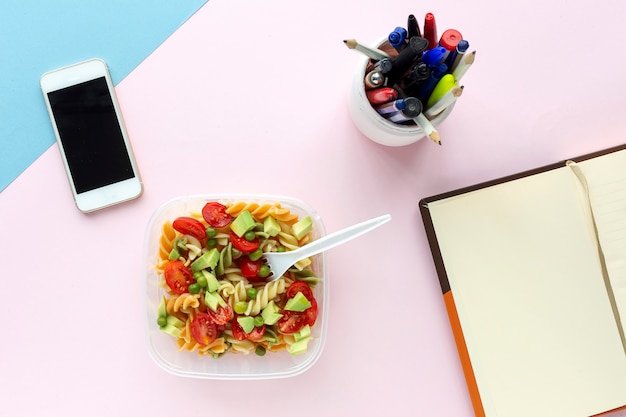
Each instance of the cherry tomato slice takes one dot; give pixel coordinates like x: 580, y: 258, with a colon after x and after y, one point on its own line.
x: 237, y: 330
x: 220, y: 328
x: 291, y: 321
x: 256, y: 334
x: 190, y: 226
x: 300, y: 286
x: 178, y: 277
x: 250, y: 268
x: 203, y: 329
x: 239, y: 334
x: 244, y: 245
x: 215, y: 215
x: 221, y: 315
x: 311, y: 313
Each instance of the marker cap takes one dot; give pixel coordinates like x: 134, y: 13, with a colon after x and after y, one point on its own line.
x: 450, y: 38
x: 413, y: 28
x: 418, y: 45
x: 385, y: 65
x: 397, y: 38
x: 413, y: 107
x: 462, y: 46
x: 435, y: 56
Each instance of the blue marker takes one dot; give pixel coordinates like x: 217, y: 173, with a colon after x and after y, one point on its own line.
x: 455, y: 56
x: 397, y: 38
x: 434, y: 57
x: 427, y: 87
x: 391, y: 107
x: 411, y: 111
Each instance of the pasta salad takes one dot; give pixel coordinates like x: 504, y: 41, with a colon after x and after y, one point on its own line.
x: 216, y: 295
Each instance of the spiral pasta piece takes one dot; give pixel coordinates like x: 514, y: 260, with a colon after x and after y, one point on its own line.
x: 222, y: 239
x: 226, y: 289
x: 239, y: 346
x: 269, y: 292
x: 259, y: 211
x: 288, y: 240
x: 269, y: 245
x: 240, y: 293
x: 226, y: 259
x: 166, y: 243
x: 183, y: 303
x: 291, y: 243
x: 233, y: 274
x: 284, y: 215
x: 262, y: 210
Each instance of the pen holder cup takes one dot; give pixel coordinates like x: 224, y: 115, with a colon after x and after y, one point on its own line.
x: 375, y: 126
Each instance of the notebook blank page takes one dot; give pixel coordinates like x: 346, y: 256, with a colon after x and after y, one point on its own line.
x: 527, y: 282
x: 606, y: 178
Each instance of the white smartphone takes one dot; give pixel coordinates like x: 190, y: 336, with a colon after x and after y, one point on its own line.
x: 91, y: 135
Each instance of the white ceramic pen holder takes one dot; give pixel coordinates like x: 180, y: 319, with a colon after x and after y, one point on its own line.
x: 375, y: 126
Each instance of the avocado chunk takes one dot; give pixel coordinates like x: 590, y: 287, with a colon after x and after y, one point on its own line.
x: 174, y: 254
x: 300, y: 346
x: 271, y: 313
x: 302, y: 227
x: 169, y: 324
x: 243, y: 223
x: 212, y: 282
x: 213, y: 300
x: 302, y: 333
x: 207, y: 260
x: 175, y: 321
x: 162, y: 309
x: 226, y: 259
x: 271, y: 226
x: 298, y: 303
x: 171, y: 330
x: 246, y: 323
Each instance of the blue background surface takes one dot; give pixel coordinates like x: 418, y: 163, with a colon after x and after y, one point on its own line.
x: 37, y: 36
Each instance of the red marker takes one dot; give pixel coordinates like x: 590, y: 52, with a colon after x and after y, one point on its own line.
x: 381, y: 95
x: 430, y: 30
x: 450, y: 39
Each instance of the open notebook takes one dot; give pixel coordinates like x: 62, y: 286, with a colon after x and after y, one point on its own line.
x: 533, y: 270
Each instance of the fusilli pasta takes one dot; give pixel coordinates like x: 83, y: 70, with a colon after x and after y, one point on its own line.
x: 237, y: 292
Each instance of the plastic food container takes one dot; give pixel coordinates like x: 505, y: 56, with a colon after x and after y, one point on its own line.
x: 234, y: 366
x: 375, y: 126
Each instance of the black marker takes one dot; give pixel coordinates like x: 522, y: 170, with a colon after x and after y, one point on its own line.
x: 406, y: 58
x: 412, y: 80
x: 413, y: 27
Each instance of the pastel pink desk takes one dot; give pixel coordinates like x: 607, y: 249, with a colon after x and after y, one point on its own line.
x: 251, y: 97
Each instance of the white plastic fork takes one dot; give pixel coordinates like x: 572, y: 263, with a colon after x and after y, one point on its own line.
x: 280, y: 262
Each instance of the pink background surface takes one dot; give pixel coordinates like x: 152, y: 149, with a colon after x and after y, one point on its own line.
x: 251, y: 97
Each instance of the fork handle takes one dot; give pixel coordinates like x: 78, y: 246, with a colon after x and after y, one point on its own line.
x: 341, y: 236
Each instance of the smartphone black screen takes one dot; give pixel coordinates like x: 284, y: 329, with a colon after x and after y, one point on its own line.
x: 91, y: 135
